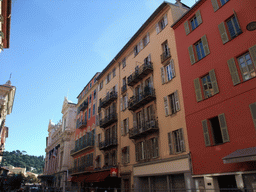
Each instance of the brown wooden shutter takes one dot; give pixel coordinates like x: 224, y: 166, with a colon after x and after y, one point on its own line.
x: 166, y: 107
x: 215, y: 5
x: 177, y: 102
x: 162, y: 75
x: 252, y: 51
x: 205, y: 45
x: 198, y: 17
x: 223, y: 33
x: 233, y: 71
x: 182, y: 141
x: 191, y: 54
x: 253, y: 112
x: 206, y: 133
x: 198, y: 90
x: 170, y: 143
x: 223, y: 127
x: 172, y: 67
x: 186, y: 26
x: 122, y: 128
x: 214, y: 81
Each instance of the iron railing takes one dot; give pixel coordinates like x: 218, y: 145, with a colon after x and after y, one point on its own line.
x: 81, y: 123
x: 144, y: 128
x: 108, y: 143
x: 108, y: 120
x: 166, y: 54
x: 108, y: 99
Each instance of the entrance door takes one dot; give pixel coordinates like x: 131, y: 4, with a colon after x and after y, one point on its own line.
x: 126, y: 185
x: 227, y: 183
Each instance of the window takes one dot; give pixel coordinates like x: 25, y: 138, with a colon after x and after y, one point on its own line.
x: 145, y: 40
x: 90, y: 84
x: 193, y: 23
x: 161, y: 24
x: 176, y: 141
x: 201, y: 48
x: 98, y: 161
x: 147, y: 149
x: 106, y: 159
x: 232, y: 26
x: 218, y: 3
x: 94, y: 94
x: 171, y: 104
x: 124, y: 60
x: 253, y: 112
x: 136, y: 49
x: 154, y: 144
x: 90, y: 98
x: 126, y: 155
x: 166, y: 52
x: 95, y: 79
x: 209, y: 85
x: 93, y: 109
x: 125, y: 126
x: 218, y: 130
x: 168, y: 72
x: 124, y: 102
x: 101, y: 85
x: 89, y: 113
x: 114, y: 72
x: 108, y: 78
x: 247, y: 65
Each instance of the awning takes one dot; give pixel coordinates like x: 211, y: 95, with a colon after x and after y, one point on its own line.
x: 79, y: 178
x: 97, y: 177
x: 241, y: 155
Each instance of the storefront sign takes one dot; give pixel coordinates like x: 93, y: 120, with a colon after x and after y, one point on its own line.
x: 113, y: 172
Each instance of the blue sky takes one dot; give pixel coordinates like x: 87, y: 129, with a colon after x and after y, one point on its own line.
x: 56, y: 46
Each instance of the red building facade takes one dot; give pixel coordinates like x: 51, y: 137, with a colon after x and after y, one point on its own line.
x: 217, y: 58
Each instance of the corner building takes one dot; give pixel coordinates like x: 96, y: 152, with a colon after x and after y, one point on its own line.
x: 217, y: 61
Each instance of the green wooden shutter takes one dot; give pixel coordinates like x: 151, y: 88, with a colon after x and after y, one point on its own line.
x: 223, y: 33
x: 206, y: 133
x: 191, y: 54
x: 198, y: 17
x: 205, y: 45
x: 215, y: 5
x: 170, y: 143
x: 198, y: 90
x: 166, y: 107
x: 252, y: 51
x: 253, y: 112
x: 214, y: 82
x: 186, y: 26
x: 223, y: 127
x: 233, y: 71
x: 162, y: 75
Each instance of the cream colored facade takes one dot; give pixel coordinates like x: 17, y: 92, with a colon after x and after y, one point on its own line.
x: 152, y: 147
x: 60, y: 141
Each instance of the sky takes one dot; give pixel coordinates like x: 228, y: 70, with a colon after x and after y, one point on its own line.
x: 56, y: 46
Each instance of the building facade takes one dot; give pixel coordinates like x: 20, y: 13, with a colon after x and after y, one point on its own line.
x: 217, y: 59
x: 59, y: 143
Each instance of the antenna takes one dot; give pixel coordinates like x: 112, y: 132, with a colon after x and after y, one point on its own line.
x: 10, y: 76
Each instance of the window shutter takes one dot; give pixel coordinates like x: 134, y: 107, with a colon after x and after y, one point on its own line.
x: 172, y: 68
x: 165, y: 20
x: 186, y: 26
x: 170, y: 143
x: 177, y: 102
x: 122, y: 128
x: 215, y: 5
x: 233, y: 71
x: 127, y: 125
x: 214, y: 82
x: 162, y: 75
x: 157, y: 28
x: 191, y: 54
x: 146, y: 116
x: 223, y: 33
x: 156, y: 147
x: 147, y: 38
x: 126, y: 100
x: 166, y: 108
x: 141, y: 45
x: 121, y: 103
x: 223, y: 127
x: 253, y: 112
x: 236, y: 19
x: 134, y: 121
x: 198, y: 90
x: 198, y: 17
x: 205, y: 45
x: 137, y: 151
x: 252, y: 51
x: 206, y: 133
x: 106, y: 80
x: 128, y: 154
x: 182, y: 141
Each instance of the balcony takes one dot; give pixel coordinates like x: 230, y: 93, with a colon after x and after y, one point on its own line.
x: 108, y: 143
x: 124, y: 89
x: 166, y: 54
x: 84, y: 146
x: 140, y: 73
x: 143, y: 129
x: 108, y: 99
x: 108, y: 120
x: 83, y: 106
x: 81, y: 124
x: 81, y: 169
x: 137, y: 101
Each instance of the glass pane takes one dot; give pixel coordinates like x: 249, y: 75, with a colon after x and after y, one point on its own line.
x: 236, y: 25
x: 231, y: 29
x: 202, y: 49
x: 195, y: 20
x: 198, y: 52
x: 192, y: 24
x: 241, y: 59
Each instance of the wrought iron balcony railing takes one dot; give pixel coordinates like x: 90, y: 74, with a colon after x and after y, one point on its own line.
x: 108, y: 143
x: 84, y: 145
x: 108, y: 120
x: 166, y: 54
x: 140, y: 73
x: 124, y: 89
x: 141, y: 99
x: 143, y: 129
x: 81, y: 169
x: 108, y: 99
x: 83, y: 106
x: 81, y: 124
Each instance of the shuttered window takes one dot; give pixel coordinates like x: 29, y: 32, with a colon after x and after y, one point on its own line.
x: 193, y: 23
x: 253, y: 112
x: 161, y: 24
x: 171, y: 104
x: 176, y: 141
x: 216, y: 4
